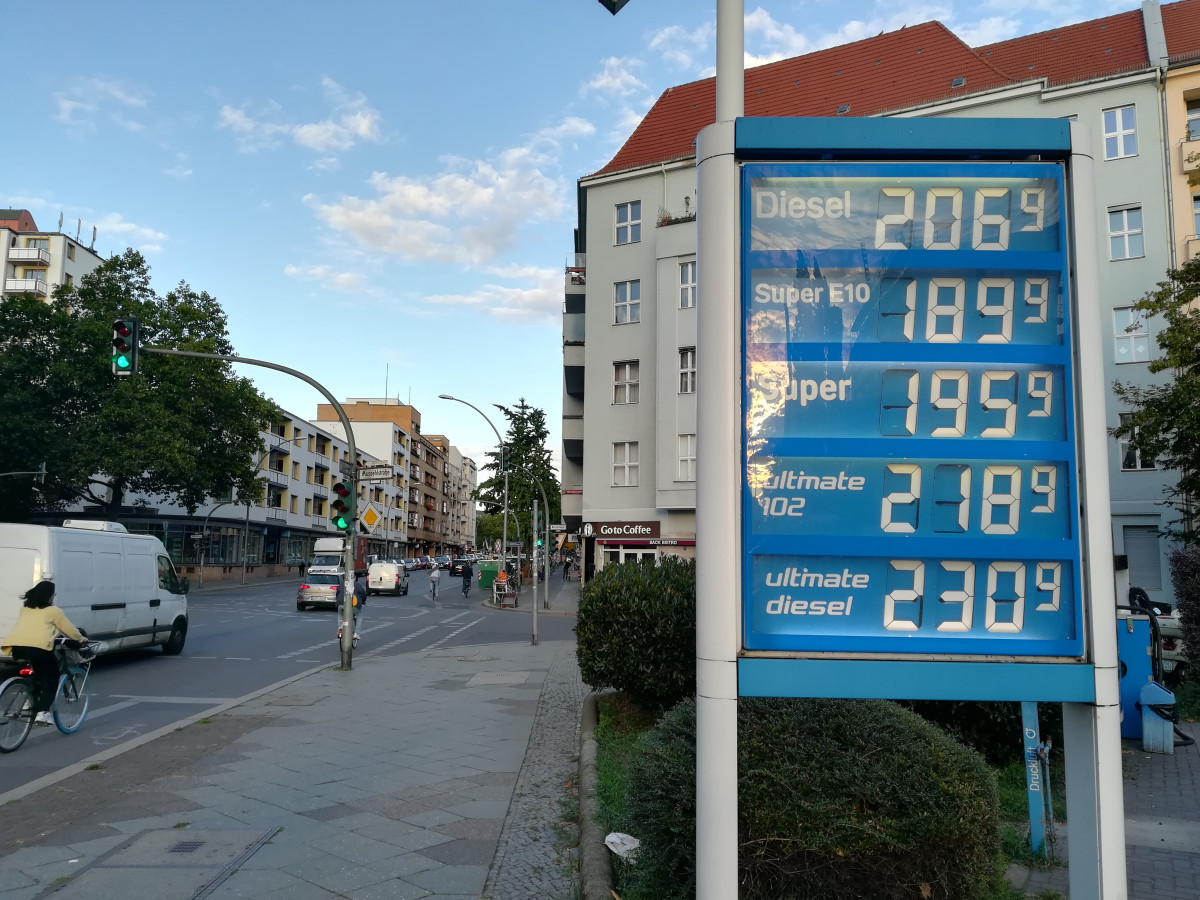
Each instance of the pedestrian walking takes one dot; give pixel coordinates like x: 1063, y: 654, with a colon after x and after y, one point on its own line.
x: 435, y: 578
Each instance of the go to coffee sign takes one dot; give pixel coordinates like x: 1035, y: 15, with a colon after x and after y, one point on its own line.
x: 622, y: 529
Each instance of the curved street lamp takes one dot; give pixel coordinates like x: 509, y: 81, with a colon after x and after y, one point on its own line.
x: 500, y: 442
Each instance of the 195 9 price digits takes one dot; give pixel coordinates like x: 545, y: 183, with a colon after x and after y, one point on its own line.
x: 943, y: 226
x: 1007, y: 587
x: 996, y: 399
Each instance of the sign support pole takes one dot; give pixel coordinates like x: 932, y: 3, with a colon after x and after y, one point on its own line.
x: 1092, y: 732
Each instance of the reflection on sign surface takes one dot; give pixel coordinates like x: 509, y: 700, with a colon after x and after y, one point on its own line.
x: 910, y: 467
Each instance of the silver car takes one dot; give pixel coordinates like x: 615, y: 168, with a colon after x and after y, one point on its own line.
x: 321, y: 589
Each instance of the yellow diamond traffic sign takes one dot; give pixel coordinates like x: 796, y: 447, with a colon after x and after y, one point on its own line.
x: 370, y: 517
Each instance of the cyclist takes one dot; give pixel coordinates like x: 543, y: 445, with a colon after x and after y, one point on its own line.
x: 467, y: 575
x: 32, y: 638
x: 435, y: 578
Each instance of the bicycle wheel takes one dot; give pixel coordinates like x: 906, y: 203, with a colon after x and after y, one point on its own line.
x: 16, y: 715
x: 71, y: 701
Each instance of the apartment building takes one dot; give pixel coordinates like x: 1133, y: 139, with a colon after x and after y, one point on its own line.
x: 461, y: 479
x: 36, y: 262
x: 426, y: 503
x: 629, y: 316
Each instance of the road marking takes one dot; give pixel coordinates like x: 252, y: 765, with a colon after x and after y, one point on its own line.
x: 453, y: 633
x: 91, y: 714
x: 209, y: 701
x: 397, y: 643
x: 453, y: 619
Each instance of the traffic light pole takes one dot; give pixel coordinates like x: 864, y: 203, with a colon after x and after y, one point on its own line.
x: 347, y: 642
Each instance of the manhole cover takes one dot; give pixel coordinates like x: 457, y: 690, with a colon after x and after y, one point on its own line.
x: 477, y: 658
x: 186, y: 847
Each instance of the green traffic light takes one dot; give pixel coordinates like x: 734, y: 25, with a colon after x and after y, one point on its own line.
x: 341, y: 522
x: 121, y: 361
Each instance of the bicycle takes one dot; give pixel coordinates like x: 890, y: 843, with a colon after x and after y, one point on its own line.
x: 71, y: 699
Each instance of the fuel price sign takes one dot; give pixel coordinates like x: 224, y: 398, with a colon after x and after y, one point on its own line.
x: 910, y: 450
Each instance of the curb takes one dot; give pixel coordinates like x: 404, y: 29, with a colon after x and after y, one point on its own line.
x: 595, y: 867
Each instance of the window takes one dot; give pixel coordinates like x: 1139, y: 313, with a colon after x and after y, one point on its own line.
x: 1141, y: 548
x: 1196, y: 214
x: 628, y: 302
x: 70, y: 250
x: 35, y: 274
x: 625, y: 464
x: 69, y: 280
x: 1120, y: 133
x: 629, y: 222
x: 625, y: 382
x: 38, y: 243
x: 687, y: 457
x: 687, y: 285
x: 687, y: 370
x: 1131, y: 459
x: 1130, y: 337
x: 1125, y: 233
x: 295, y: 505
x: 1193, y: 120
x: 307, y: 506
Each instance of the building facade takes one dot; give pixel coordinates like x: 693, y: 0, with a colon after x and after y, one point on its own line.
x: 36, y: 262
x: 629, y: 317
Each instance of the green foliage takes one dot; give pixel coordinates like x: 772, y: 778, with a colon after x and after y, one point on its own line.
x: 488, y: 530
x: 620, y: 725
x: 836, y: 799
x: 991, y: 728
x: 1165, y: 420
x: 1185, y: 579
x: 182, y: 430
x: 636, y: 630
x: 531, y: 466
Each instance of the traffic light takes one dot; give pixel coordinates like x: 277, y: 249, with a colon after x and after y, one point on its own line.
x: 539, y: 542
x: 506, y: 458
x: 125, y: 347
x: 341, y: 507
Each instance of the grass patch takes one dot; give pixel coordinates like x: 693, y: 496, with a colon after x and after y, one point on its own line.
x: 1014, y: 814
x: 1187, y: 700
x: 620, y: 722
x: 207, y: 720
x: 93, y: 767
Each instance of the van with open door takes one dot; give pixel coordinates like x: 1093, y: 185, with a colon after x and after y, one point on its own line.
x: 120, y: 588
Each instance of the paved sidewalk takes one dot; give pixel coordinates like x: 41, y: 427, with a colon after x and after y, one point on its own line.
x: 433, y: 774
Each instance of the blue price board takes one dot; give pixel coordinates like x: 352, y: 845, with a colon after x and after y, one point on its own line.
x: 910, y: 476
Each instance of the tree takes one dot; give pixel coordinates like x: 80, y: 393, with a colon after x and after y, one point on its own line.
x: 182, y: 430
x: 1165, y: 420
x: 530, y: 466
x: 488, y: 530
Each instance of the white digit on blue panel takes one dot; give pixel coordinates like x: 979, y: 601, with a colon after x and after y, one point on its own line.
x: 993, y: 404
x: 1041, y: 388
x: 995, y: 223
x: 900, y: 223
x: 966, y: 596
x: 957, y: 401
x: 1017, y: 620
x: 941, y: 289
x: 905, y: 595
x: 1003, y: 309
x: 943, y: 231
x: 1037, y: 294
x: 994, y: 501
x: 911, y: 497
x: 1049, y: 579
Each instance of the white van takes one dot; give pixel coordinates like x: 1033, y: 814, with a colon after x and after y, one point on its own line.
x: 389, y: 577
x: 118, y: 587
x: 327, y: 556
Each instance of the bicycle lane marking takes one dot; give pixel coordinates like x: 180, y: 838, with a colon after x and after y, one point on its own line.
x: 437, y: 644
x: 91, y: 714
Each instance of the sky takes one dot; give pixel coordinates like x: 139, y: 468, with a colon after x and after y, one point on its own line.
x: 380, y: 194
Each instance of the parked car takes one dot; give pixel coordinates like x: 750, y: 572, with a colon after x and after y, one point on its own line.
x: 321, y: 589
x: 387, y: 577
x: 423, y: 562
x: 410, y: 565
x: 442, y: 562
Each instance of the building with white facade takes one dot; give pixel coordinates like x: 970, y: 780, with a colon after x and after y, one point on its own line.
x: 36, y: 262
x: 629, y: 318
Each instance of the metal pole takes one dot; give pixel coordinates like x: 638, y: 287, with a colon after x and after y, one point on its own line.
x: 533, y: 571
x: 245, y: 541
x: 718, y: 582
x: 348, y: 551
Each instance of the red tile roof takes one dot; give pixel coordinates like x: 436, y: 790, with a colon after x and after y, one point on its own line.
x: 890, y: 71
x: 905, y: 68
x: 1181, y: 22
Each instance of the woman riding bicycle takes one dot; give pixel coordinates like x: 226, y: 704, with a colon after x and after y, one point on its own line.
x: 32, y: 638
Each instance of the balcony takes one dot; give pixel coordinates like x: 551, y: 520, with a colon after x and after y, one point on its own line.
x: 276, y: 477
x: 25, y: 286
x: 29, y: 255
x: 1189, y: 155
x: 1191, y: 248
x: 321, y: 461
x: 276, y: 514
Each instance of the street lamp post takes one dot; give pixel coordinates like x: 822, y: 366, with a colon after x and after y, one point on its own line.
x: 500, y: 442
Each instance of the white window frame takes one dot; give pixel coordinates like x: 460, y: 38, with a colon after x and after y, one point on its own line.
x: 628, y: 224
x: 1196, y: 212
x: 1131, y: 457
x: 625, y: 382
x: 687, y: 285
x: 1192, y: 120
x: 687, y: 370
x: 687, y: 457
x: 1126, y: 233
x: 625, y: 464
x: 1120, y: 132
x: 1136, y: 343
x: 627, y: 299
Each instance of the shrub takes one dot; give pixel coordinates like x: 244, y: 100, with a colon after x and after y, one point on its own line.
x: 993, y: 728
x: 1185, y: 579
x: 636, y: 630
x: 836, y: 799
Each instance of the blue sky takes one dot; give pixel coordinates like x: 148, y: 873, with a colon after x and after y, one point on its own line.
x: 401, y: 171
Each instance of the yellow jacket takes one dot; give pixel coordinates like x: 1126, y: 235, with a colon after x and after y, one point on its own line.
x: 38, y: 628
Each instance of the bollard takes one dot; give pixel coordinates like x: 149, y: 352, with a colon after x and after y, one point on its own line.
x: 1158, y: 718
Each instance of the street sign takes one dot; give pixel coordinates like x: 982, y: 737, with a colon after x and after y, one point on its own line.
x: 370, y: 517
x: 344, y: 467
x: 376, y: 473
x: 558, y: 527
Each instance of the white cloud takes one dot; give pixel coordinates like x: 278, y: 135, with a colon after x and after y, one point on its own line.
x: 680, y: 47
x: 988, y: 31
x: 83, y: 98
x: 178, y: 172
x: 616, y: 78
x: 540, y: 299
x: 469, y: 213
x: 347, y: 282
x: 145, y: 239
x: 351, y: 121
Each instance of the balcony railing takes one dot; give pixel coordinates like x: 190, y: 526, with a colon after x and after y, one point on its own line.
x: 276, y: 513
x: 29, y: 255
x: 322, y: 461
x: 276, y: 477
x: 1191, y: 247
x: 1189, y: 155
x: 25, y: 286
